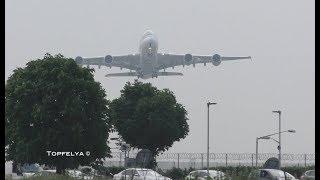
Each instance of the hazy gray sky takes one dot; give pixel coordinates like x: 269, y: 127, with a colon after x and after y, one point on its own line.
x: 279, y: 35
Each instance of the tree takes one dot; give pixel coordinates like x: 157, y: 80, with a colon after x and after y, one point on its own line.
x: 54, y: 105
x: 148, y: 118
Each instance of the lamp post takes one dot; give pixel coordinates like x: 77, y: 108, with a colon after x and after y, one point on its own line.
x: 269, y: 137
x: 274, y: 140
x: 208, y: 104
x: 257, y: 144
x: 279, y: 147
x: 123, y: 147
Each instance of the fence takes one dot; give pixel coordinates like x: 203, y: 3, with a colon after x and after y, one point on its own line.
x: 199, y: 160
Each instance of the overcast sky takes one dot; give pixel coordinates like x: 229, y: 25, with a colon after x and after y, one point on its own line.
x: 279, y: 35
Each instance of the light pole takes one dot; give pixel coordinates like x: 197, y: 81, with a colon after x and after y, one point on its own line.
x: 269, y: 137
x: 257, y: 144
x: 208, y: 104
x: 274, y: 140
x: 279, y: 147
x: 123, y: 147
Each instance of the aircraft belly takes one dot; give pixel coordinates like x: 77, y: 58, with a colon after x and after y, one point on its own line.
x: 148, y: 65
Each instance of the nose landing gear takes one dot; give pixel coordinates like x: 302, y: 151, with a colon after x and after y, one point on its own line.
x: 154, y: 74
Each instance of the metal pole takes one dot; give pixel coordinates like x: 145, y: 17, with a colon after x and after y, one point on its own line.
x: 257, y: 152
x: 208, y: 104
x: 279, y: 146
x: 251, y: 160
x: 178, y: 159
x: 201, y: 161
x: 208, y: 141
x: 305, y: 160
x: 125, y: 158
x: 226, y: 159
x: 279, y: 139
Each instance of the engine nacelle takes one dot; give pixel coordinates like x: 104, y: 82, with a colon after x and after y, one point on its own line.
x: 79, y: 60
x: 108, y: 59
x: 188, y: 59
x: 216, y: 59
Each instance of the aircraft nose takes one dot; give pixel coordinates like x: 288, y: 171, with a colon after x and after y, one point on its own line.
x: 149, y: 42
x: 149, y: 39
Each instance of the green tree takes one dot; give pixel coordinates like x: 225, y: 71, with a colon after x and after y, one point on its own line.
x: 148, y: 118
x: 54, y: 105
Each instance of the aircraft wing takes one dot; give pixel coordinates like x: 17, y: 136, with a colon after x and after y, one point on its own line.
x: 172, y: 60
x: 130, y: 61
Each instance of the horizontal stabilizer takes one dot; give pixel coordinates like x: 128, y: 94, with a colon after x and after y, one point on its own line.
x: 169, y: 74
x: 122, y: 74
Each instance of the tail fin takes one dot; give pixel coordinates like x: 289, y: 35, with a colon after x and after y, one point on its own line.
x: 122, y: 74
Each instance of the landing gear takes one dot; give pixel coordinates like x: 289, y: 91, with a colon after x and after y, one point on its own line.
x: 139, y: 72
x: 155, y: 75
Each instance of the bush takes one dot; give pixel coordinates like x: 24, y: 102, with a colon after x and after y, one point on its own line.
x: 51, y: 177
x: 234, y: 172
x: 107, y: 171
x: 297, y: 171
x: 176, y: 173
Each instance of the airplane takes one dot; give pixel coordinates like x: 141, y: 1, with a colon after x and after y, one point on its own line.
x: 148, y: 62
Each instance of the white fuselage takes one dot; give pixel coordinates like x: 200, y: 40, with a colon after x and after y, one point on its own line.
x: 148, y: 49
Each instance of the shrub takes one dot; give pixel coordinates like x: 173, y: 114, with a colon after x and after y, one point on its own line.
x: 297, y: 171
x: 107, y: 171
x: 176, y: 173
x: 234, y: 172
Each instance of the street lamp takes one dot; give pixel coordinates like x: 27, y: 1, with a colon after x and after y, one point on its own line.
x: 274, y: 140
x: 257, y: 141
x: 269, y: 137
x: 279, y: 147
x: 290, y: 131
x: 208, y: 104
x: 123, y: 147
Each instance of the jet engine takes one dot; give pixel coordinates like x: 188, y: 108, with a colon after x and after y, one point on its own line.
x: 108, y: 59
x: 216, y: 59
x: 79, y: 60
x: 188, y: 59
